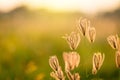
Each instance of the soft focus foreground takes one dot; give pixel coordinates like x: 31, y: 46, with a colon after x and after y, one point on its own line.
x: 28, y: 39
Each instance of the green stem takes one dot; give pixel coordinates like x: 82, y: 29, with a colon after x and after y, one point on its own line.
x: 85, y: 58
x: 98, y: 77
x: 87, y: 47
x: 119, y: 74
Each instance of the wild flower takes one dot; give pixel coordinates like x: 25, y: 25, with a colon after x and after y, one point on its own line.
x: 71, y: 60
x: 91, y: 34
x: 71, y: 76
x: 83, y: 25
x: 53, y: 62
x: 73, y: 40
x: 114, y: 41
x: 57, y: 73
x: 98, y: 59
x: 117, y: 59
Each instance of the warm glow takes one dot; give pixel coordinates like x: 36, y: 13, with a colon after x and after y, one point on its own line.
x: 57, y: 5
x: 8, y: 5
x: 87, y: 6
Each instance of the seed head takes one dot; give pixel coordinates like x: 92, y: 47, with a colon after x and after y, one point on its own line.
x: 57, y: 73
x: 98, y: 59
x: 83, y: 25
x: 114, y: 41
x: 117, y: 59
x: 71, y: 60
x: 73, y: 40
x: 53, y: 62
x: 91, y: 34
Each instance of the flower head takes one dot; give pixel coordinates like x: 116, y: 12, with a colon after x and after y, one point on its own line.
x: 71, y: 60
x: 98, y: 59
x: 57, y: 73
x: 73, y: 40
x: 53, y: 62
x: 83, y: 26
x: 91, y: 34
x: 117, y: 59
x: 114, y: 41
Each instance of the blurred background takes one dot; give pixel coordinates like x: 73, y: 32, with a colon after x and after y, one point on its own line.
x: 31, y: 31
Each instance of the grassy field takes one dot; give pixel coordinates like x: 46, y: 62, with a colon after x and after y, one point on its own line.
x: 28, y: 39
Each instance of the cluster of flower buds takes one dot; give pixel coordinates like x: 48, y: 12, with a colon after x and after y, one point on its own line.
x: 114, y: 42
x: 98, y: 59
x: 57, y: 73
x: 86, y: 30
x: 73, y: 40
x: 117, y: 59
x: 72, y: 60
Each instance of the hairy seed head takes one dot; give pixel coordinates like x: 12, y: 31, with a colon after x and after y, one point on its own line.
x: 98, y: 59
x: 73, y: 40
x: 114, y: 41
x: 53, y: 62
x: 57, y: 73
x: 83, y: 25
x: 91, y: 34
x: 117, y: 59
x: 71, y: 60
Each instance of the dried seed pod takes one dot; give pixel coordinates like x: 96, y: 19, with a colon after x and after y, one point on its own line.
x: 53, y: 62
x: 117, y: 59
x: 91, y: 34
x: 83, y: 25
x: 71, y: 60
x: 73, y: 40
x: 114, y: 41
x: 98, y: 59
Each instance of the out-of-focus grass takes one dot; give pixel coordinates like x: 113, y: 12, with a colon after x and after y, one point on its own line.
x: 28, y: 61
x: 28, y: 39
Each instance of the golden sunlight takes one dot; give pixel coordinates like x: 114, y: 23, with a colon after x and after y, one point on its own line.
x: 8, y: 5
x: 86, y: 6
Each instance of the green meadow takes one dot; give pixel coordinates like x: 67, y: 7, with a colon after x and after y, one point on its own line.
x: 28, y: 39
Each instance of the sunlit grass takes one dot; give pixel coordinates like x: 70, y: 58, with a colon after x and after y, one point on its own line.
x: 27, y: 42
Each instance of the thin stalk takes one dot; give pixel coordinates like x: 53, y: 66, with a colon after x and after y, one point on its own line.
x: 87, y: 47
x: 119, y: 74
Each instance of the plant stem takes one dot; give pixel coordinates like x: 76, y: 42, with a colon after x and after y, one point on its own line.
x: 119, y: 74
x: 97, y: 76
